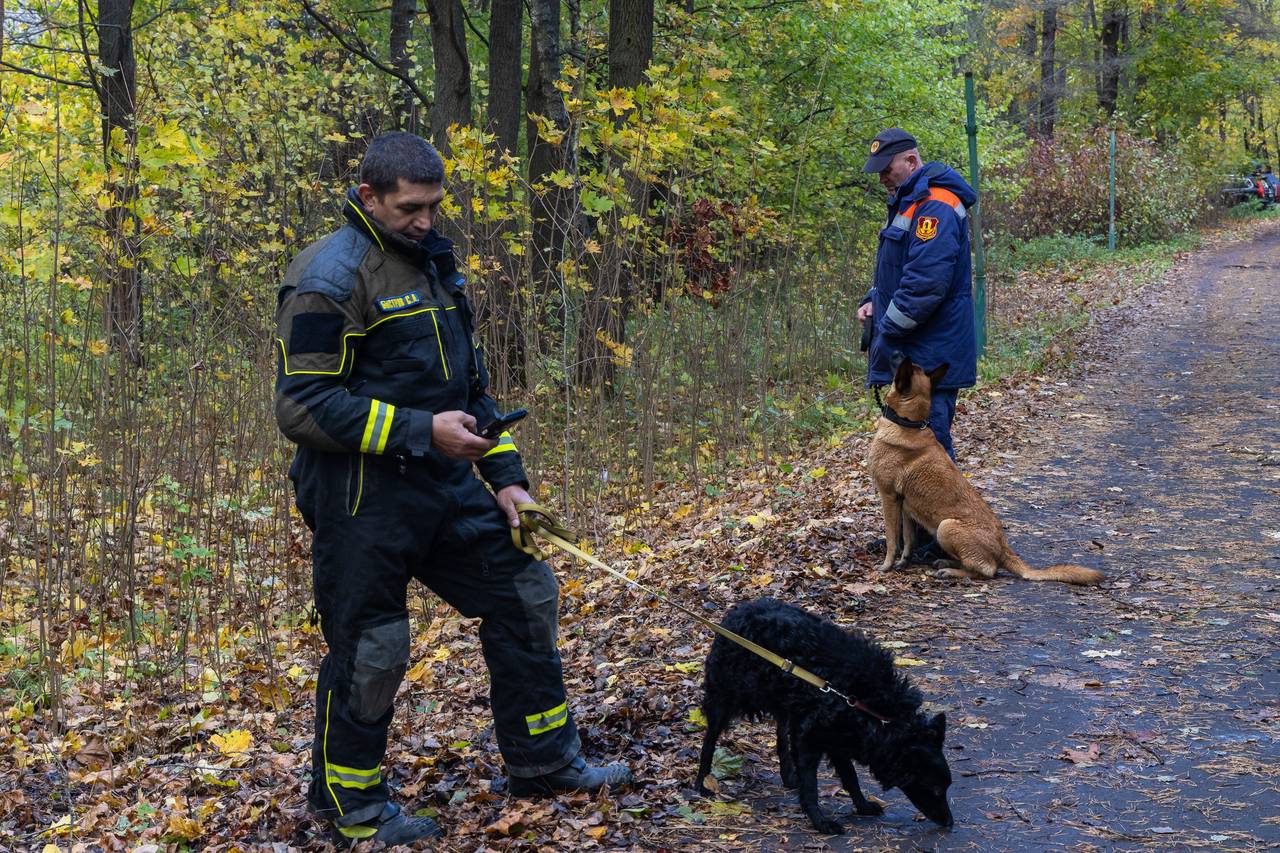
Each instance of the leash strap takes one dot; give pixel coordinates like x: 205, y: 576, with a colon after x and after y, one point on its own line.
x: 534, y: 519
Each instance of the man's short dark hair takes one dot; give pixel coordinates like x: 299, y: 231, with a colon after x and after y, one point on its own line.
x: 397, y: 156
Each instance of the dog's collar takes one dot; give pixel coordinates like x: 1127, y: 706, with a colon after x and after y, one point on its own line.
x: 894, y: 416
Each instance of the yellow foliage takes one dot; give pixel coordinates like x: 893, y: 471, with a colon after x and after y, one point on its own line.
x: 233, y: 743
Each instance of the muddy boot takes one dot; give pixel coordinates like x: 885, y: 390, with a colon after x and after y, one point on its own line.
x: 391, y: 827
x: 577, y: 775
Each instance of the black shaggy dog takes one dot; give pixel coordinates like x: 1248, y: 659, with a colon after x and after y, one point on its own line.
x: 905, y: 752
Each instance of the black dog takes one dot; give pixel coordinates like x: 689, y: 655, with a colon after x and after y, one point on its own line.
x: 905, y: 752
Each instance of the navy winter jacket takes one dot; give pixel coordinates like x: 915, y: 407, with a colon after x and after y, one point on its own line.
x: 922, y: 295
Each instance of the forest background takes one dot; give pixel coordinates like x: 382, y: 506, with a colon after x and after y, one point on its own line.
x: 659, y: 205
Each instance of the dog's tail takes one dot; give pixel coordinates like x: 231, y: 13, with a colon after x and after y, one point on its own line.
x: 1064, y: 572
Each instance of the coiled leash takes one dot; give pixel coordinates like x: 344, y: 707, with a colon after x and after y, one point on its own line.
x: 534, y: 519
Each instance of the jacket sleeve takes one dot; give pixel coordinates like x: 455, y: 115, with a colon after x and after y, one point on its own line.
x: 318, y: 331
x: 927, y: 271
x: 501, y: 466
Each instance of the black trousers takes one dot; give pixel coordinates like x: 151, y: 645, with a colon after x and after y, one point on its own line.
x: 375, y: 527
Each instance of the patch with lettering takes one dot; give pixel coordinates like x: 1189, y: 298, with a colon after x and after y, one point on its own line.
x: 927, y: 227
x: 399, y: 303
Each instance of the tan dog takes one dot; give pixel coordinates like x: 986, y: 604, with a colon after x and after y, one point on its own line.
x: 917, y: 479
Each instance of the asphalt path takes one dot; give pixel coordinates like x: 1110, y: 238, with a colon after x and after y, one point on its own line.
x: 1144, y: 714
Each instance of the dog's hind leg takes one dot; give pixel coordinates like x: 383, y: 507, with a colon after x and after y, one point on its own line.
x: 849, y: 778
x: 786, y: 753
x: 807, y: 759
x: 971, y: 558
x: 716, y: 720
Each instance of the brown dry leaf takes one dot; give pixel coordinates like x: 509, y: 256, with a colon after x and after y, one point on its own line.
x: 510, y: 823
x: 94, y: 754
x: 1082, y: 757
x: 10, y: 800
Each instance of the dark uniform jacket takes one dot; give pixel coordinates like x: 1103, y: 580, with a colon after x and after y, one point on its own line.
x: 922, y: 295
x: 375, y: 335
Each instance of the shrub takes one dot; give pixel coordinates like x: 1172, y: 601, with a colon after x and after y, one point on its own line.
x: 1063, y: 187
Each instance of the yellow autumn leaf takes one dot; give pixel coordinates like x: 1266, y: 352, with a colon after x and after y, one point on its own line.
x: 183, y: 828
x: 233, y: 742
x: 420, y: 672
x: 620, y: 101
x: 818, y: 472
x: 910, y: 662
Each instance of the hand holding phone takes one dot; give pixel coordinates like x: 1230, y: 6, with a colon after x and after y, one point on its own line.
x: 494, y: 428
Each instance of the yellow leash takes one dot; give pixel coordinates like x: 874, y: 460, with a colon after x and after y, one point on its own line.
x: 534, y: 519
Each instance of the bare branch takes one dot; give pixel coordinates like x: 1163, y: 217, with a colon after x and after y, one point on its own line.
x: 365, y: 54
x: 80, y: 84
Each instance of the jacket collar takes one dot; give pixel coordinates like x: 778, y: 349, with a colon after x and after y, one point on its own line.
x: 389, y: 241
x: 916, y: 186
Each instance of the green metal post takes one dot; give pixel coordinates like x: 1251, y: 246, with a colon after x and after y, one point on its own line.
x: 1111, y: 229
x: 979, y: 261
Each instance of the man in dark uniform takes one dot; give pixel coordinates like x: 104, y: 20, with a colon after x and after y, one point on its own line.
x: 381, y: 387
x: 921, y: 304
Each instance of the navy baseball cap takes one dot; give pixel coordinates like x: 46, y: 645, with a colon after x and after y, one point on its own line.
x: 887, y: 143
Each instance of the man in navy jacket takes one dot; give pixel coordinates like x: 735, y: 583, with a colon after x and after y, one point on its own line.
x: 921, y: 303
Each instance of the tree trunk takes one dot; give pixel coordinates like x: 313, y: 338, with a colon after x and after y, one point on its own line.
x: 1048, y: 110
x: 1114, y: 23
x: 550, y: 206
x: 453, y: 70
x: 505, y: 20
x: 607, y: 306
x: 405, y: 109
x: 117, y: 93
x: 500, y: 313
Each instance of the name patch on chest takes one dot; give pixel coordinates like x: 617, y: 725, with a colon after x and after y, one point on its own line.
x: 399, y: 303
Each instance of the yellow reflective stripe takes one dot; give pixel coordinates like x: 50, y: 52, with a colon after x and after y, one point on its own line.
x: 324, y: 746
x: 399, y: 314
x: 377, y: 427
x: 440, y: 344
x: 505, y: 445
x: 341, y: 363
x: 372, y: 230
x: 548, y: 720
x: 349, y: 777
x: 386, y: 429
x: 359, y: 488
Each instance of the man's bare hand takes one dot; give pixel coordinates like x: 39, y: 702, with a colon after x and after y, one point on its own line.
x: 508, y: 497
x: 451, y: 434
x: 865, y: 310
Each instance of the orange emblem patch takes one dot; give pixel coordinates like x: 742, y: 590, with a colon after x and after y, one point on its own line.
x: 875, y: 145
x: 927, y: 227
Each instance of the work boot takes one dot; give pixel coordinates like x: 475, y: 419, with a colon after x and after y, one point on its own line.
x: 928, y: 552
x: 390, y: 827
x: 577, y: 775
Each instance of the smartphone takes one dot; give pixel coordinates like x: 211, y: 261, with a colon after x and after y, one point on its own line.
x: 494, y: 428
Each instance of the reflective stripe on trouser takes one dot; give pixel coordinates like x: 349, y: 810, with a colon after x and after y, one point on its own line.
x: 346, y: 757
x: 453, y: 538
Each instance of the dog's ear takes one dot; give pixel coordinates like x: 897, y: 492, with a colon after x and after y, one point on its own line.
x: 902, y: 378
x: 938, y: 726
x: 935, y: 375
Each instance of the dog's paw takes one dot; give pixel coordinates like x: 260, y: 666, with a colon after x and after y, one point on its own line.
x: 901, y: 565
x: 829, y: 827
x: 869, y: 809
x: 790, y: 781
